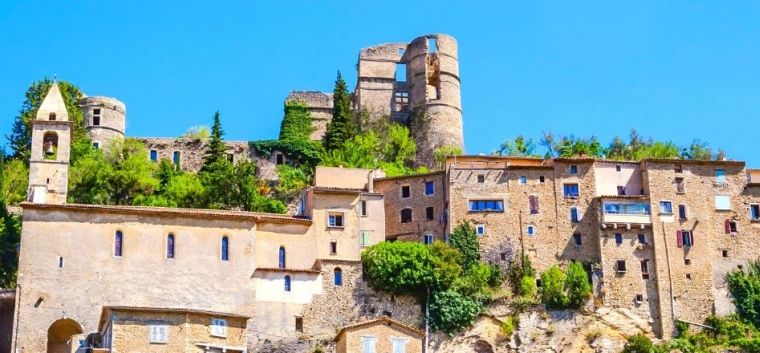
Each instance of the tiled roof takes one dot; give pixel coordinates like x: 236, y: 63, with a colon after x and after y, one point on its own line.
x: 382, y: 320
x: 693, y: 161
x: 288, y: 270
x: 168, y: 211
x: 418, y: 175
x: 107, y: 309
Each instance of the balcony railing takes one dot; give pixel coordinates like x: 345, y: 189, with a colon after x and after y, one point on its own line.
x: 627, y: 213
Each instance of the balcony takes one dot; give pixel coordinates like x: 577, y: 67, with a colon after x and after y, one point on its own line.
x: 626, y: 213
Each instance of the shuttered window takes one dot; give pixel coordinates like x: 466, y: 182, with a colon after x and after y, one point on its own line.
x: 533, y: 200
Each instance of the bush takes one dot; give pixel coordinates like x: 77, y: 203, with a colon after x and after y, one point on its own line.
x: 527, y: 288
x: 553, y: 288
x: 464, y: 239
x: 497, y: 276
x: 748, y: 345
x: 578, y: 286
x: 745, y: 288
x: 509, y: 325
x: 638, y: 344
x: 451, y: 311
x: 520, y: 269
x: 400, y: 267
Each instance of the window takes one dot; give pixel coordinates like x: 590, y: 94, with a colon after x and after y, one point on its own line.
x: 541, y: 179
x: 50, y: 145
x: 51, y: 116
x: 731, y: 227
x: 333, y: 247
x: 231, y: 157
x: 571, y: 190
x: 523, y: 180
x: 680, y: 186
x: 368, y: 344
x: 684, y: 238
x: 432, y: 45
x: 299, y: 324
x: 577, y: 239
x: 219, y: 327
x: 637, y: 208
x: 754, y: 212
x: 682, y: 212
x: 406, y: 215
x: 338, y: 276
x: 429, y: 188
x: 430, y: 213
x: 533, y: 202
x: 573, y: 169
x: 531, y: 230
x: 486, y: 205
x: 427, y: 239
x: 481, y: 178
x: 60, y: 261
x: 618, y: 238
x: 335, y: 220
x: 722, y: 202
x: 363, y: 205
x: 688, y: 276
x: 724, y: 253
x: 154, y: 155
x: 642, y: 239
x: 225, y: 248
x: 620, y: 266
x: 406, y: 191
x: 645, y: 269
x: 95, y: 117
x: 400, y: 72
x: 687, y: 261
x: 398, y: 345
x: 176, y: 157
x: 279, y: 158
x: 678, y: 168
x: 364, y: 241
x: 96, y: 145
x: 639, y: 298
x: 480, y: 229
x: 617, y: 168
x: 287, y: 283
x: 158, y: 333
x: 118, y: 244
x: 281, y: 257
x: 666, y: 207
x: 720, y: 176
x: 574, y: 214
x: 170, y: 246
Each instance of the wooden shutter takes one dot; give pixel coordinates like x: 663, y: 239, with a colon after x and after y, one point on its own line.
x: 533, y: 200
x: 727, y: 224
x: 679, y: 238
x: 691, y: 237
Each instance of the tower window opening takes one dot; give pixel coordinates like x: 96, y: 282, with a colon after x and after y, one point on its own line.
x: 432, y: 45
x: 400, y: 72
x: 51, y: 116
x: 50, y: 145
x: 96, y: 117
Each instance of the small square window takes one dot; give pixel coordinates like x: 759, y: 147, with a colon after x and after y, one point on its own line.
x: 481, y: 178
x: 680, y: 185
x: 523, y: 180
x: 620, y: 266
x: 503, y: 256
x: 541, y: 179
x: 639, y: 298
x: 578, y: 239
x: 618, y: 238
x: 722, y: 202
x: 429, y: 188
x: 333, y: 247
x: 531, y: 230
x: 279, y: 159
x: 571, y: 190
x: 687, y: 261
x: 96, y: 145
x: 406, y: 215
x: 644, y: 269
x: 678, y: 168
x: 480, y: 229
x: 724, y: 253
x: 406, y: 191
x: 573, y: 169
x: 688, y: 276
x: 754, y: 212
x: 430, y: 213
x: 335, y: 220
x: 666, y: 207
x: 720, y: 176
x: 299, y: 324
x: 158, y: 333
x: 621, y: 190
x: 154, y: 155
x: 642, y: 239
x: 428, y: 239
x: 618, y: 168
x: 219, y: 327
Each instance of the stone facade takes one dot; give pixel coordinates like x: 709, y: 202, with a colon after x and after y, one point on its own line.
x: 128, y: 329
x: 51, y: 147
x: 422, y: 222
x: 105, y: 119
x: 319, y: 105
x: 382, y: 332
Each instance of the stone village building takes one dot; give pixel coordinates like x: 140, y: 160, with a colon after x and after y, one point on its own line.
x: 658, y: 236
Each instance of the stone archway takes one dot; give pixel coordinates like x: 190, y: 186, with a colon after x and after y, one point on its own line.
x: 60, y: 335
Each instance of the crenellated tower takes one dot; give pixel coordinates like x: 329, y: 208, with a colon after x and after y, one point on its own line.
x: 51, y: 145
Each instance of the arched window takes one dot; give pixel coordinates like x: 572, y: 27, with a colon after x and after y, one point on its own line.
x: 170, y: 246
x: 287, y: 283
x: 51, y: 116
x: 574, y: 214
x: 281, y: 257
x: 225, y: 249
x: 50, y: 145
x: 118, y: 244
x: 338, y: 276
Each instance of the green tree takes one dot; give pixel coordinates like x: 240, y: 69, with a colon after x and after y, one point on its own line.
x: 14, y: 178
x: 520, y: 147
x: 639, y: 344
x: 464, y: 239
x: 400, y: 267
x: 21, y: 134
x: 296, y: 124
x: 341, y: 128
x: 527, y: 288
x: 216, y: 150
x: 451, y: 311
x: 440, y: 154
x: 553, y: 288
x: 291, y: 181
x: 198, y: 132
x: 10, y: 236
x: 745, y: 288
x: 578, y: 285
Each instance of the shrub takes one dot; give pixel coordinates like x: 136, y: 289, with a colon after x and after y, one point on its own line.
x: 451, y: 311
x: 509, y: 325
x: 400, y: 267
x: 745, y: 288
x: 682, y: 328
x: 519, y: 269
x: 578, y: 286
x: 464, y: 239
x: 527, y: 288
x: 497, y: 276
x: 638, y: 344
x: 553, y: 288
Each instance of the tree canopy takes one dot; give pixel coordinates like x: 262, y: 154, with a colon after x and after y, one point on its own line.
x: 342, y: 127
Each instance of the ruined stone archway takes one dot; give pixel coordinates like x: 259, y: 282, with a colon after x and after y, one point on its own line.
x: 60, y: 335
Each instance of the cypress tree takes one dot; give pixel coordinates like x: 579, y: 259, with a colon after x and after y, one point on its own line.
x: 341, y: 128
x: 216, y: 150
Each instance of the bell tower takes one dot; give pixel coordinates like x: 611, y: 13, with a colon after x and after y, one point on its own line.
x: 51, y: 145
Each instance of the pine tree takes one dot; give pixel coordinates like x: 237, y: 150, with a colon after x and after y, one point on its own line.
x: 341, y: 128
x: 216, y: 150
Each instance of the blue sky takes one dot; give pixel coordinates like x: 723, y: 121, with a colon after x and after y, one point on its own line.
x: 674, y: 70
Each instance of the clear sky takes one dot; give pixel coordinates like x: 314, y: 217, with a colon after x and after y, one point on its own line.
x: 674, y: 70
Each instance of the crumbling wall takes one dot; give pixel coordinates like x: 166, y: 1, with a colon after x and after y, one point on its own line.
x: 319, y: 105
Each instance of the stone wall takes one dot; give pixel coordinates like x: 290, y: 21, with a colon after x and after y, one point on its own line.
x: 319, y: 105
x: 418, y: 202
x: 112, y: 116
x: 351, y: 339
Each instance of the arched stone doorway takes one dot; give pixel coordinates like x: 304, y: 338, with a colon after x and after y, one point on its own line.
x: 60, y: 336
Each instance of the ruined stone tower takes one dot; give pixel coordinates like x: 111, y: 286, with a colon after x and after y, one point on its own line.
x: 416, y: 84
x: 51, y: 144
x: 105, y: 119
